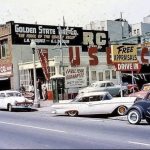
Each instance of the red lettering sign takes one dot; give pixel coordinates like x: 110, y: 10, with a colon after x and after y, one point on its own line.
x: 92, y: 51
x: 127, y: 66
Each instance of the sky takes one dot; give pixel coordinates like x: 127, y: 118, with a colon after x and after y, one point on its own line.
x: 76, y: 12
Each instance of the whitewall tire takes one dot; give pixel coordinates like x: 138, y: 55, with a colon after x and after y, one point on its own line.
x: 134, y: 117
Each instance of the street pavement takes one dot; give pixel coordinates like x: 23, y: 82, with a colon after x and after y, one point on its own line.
x: 45, y: 106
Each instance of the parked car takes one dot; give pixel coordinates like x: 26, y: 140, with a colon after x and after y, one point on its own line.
x: 28, y: 95
x: 114, y: 90
x: 132, y: 88
x: 11, y: 99
x: 93, y: 103
x: 140, y: 110
x: 143, y: 93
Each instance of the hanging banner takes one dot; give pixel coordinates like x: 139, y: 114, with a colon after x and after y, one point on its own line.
x: 43, y: 56
x: 75, y: 77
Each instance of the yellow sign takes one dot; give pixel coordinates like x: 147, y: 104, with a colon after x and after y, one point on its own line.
x: 124, y: 53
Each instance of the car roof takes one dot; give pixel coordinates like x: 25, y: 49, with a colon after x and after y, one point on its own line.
x: 94, y: 93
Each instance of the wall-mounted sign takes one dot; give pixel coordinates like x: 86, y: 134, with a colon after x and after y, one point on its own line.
x: 124, y: 53
x: 75, y: 77
x: 6, y: 70
x: 95, y: 38
x: 45, y: 34
x: 127, y: 66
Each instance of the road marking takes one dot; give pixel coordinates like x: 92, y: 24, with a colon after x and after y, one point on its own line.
x: 138, y: 143
x: 27, y: 126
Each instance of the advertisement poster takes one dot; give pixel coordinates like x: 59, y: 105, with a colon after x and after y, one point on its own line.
x: 75, y: 77
x: 124, y: 53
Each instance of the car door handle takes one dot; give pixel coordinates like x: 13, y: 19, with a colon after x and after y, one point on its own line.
x: 90, y: 104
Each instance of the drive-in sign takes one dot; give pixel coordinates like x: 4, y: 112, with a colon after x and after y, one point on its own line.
x: 127, y: 66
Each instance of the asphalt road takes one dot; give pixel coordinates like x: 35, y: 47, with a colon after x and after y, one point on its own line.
x: 41, y: 130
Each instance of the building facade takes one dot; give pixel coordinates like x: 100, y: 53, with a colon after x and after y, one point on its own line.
x: 75, y: 48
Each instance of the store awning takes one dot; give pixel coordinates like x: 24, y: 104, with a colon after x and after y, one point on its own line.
x: 57, y: 76
x: 2, y: 79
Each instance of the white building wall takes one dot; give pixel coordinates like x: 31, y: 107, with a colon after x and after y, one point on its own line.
x: 116, y: 29
x: 146, y: 19
x: 140, y: 29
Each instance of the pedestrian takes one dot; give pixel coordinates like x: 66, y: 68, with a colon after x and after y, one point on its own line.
x: 31, y: 88
x: 22, y: 88
x: 39, y: 87
x: 44, y: 91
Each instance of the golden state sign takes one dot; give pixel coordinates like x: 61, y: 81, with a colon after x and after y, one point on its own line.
x: 124, y: 53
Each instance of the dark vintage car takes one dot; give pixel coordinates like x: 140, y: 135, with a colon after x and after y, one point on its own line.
x: 138, y: 111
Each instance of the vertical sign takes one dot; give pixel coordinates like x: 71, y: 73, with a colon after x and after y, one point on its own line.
x: 43, y: 56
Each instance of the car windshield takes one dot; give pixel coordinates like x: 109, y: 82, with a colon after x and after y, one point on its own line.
x: 93, y: 85
x: 10, y: 94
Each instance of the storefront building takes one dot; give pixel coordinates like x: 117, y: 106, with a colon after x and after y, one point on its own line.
x: 77, y: 48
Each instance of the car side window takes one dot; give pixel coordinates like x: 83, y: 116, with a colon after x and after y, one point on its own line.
x: 2, y: 95
x: 102, y: 85
x: 109, y: 84
x: 107, y: 97
x: 84, y: 99
x: 96, y: 98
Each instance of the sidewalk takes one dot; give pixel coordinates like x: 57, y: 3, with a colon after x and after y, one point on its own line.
x: 45, y: 105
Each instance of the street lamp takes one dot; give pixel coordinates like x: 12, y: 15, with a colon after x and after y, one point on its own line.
x: 36, y: 100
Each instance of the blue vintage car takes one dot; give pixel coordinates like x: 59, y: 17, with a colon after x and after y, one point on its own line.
x: 138, y: 111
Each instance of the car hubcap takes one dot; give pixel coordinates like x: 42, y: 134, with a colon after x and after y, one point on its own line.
x: 133, y: 117
x: 121, y: 110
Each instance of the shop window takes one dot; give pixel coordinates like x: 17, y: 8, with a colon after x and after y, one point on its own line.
x: 25, y: 78
x: 100, y: 74
x: 93, y: 75
x: 52, y: 70
x: 3, y: 49
x: 107, y: 75
x: 134, y: 31
x: 114, y: 74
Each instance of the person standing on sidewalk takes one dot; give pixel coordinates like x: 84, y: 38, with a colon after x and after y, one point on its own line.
x: 39, y: 87
x: 44, y: 91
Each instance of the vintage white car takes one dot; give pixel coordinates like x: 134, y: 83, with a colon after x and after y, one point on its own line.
x: 93, y: 103
x: 11, y: 99
x: 109, y: 86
